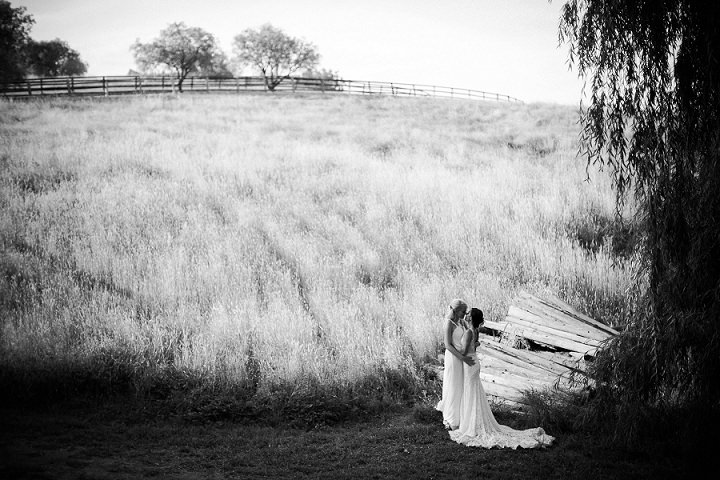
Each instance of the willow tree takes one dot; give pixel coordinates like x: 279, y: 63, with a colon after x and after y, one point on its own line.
x: 653, y: 121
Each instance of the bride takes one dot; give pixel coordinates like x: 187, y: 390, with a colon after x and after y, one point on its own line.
x: 478, y: 427
x: 452, y: 389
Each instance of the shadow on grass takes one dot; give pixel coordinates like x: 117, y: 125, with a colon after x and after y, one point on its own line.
x: 171, y: 392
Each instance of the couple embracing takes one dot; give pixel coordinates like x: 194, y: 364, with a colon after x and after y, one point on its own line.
x: 466, y: 411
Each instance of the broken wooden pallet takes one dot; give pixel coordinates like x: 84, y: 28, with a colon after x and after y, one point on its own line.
x: 552, y: 323
x: 507, y: 372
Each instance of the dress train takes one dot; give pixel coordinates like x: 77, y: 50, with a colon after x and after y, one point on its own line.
x: 478, y: 427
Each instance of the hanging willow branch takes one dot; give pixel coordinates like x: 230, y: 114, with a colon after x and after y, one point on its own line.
x: 653, y: 70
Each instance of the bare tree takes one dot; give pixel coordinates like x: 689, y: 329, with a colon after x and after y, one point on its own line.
x: 274, y: 53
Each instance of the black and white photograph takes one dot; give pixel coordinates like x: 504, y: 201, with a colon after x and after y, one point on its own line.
x: 359, y: 239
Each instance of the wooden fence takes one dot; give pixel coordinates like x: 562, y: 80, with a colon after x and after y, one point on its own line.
x: 118, y: 85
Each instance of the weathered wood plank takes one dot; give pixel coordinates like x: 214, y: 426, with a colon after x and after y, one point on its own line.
x: 547, y: 339
x: 526, y: 363
x: 523, y: 383
x: 504, y: 394
x: 568, y: 321
x: 514, y: 377
x: 490, y: 362
x: 509, y: 355
x: 571, y: 327
x: 528, y: 311
x: 556, y: 305
x: 520, y: 357
x: 526, y: 377
x: 501, y: 386
x: 562, y: 306
x: 552, y: 330
x: 494, y: 386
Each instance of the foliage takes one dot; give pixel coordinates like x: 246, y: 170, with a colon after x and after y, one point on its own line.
x: 323, y: 73
x: 219, y: 66
x: 53, y: 58
x: 183, y: 50
x: 15, y: 27
x: 274, y: 53
x: 654, y: 121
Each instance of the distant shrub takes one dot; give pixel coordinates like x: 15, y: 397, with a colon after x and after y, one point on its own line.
x: 594, y: 229
x: 539, y: 146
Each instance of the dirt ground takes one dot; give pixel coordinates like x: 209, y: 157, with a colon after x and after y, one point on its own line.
x: 107, y: 443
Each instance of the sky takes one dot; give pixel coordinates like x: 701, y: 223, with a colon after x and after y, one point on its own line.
x: 501, y: 46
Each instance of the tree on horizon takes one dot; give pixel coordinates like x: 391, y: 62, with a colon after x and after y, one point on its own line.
x: 182, y: 50
x: 53, y: 58
x: 274, y: 53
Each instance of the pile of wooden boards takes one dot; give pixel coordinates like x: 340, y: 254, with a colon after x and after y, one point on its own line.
x: 567, y: 339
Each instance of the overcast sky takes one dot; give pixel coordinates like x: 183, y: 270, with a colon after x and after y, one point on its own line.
x: 501, y: 46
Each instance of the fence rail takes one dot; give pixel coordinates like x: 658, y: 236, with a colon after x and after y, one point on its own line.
x: 118, y: 85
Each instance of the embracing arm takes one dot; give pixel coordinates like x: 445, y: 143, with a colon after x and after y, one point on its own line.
x: 449, y: 327
x: 468, y: 340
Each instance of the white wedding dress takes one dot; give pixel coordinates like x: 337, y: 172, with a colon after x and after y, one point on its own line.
x: 478, y: 427
x: 452, y: 389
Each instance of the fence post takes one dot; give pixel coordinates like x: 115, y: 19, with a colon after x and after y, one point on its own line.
x: 41, y: 86
x: 29, y: 88
x: 104, y: 87
x: 192, y: 83
x: 237, y: 85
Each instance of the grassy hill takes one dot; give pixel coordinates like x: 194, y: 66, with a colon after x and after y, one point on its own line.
x: 269, y: 248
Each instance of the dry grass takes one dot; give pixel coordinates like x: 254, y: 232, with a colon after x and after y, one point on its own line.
x: 308, y: 241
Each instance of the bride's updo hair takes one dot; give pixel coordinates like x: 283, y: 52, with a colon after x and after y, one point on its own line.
x: 477, y: 317
x: 454, y: 305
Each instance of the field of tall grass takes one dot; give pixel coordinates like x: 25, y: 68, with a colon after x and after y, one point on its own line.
x: 274, y: 246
